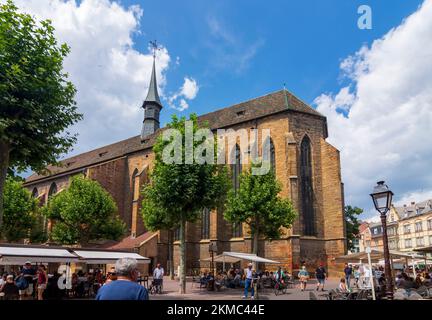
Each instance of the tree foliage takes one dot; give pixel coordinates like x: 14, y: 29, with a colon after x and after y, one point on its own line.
x: 178, y: 193
x: 258, y: 204
x: 20, y: 211
x: 83, y: 212
x: 36, y: 99
x: 352, y: 224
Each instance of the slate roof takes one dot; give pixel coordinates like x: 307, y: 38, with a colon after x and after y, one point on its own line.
x: 129, y: 243
x: 414, y: 210
x: 153, y: 95
x: 266, y: 105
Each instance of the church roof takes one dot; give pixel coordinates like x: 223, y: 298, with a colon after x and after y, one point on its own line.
x: 153, y: 95
x: 276, y: 102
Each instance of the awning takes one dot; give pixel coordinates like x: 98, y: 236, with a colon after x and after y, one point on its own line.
x: 105, y: 257
x: 222, y: 258
x: 231, y: 257
x: 424, y: 250
x: 15, y: 255
x: 376, y: 255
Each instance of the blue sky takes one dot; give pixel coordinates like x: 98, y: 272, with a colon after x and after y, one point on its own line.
x: 300, y: 43
x: 374, y: 86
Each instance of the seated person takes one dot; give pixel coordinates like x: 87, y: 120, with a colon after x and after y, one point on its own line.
x: 219, y: 281
x: 204, y: 279
x: 427, y: 280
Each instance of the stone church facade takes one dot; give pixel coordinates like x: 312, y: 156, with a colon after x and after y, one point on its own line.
x: 305, y: 163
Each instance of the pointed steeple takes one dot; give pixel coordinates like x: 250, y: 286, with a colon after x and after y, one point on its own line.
x: 152, y: 104
x: 153, y: 95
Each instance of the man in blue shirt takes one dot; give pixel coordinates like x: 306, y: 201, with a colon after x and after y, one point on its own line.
x: 125, y: 287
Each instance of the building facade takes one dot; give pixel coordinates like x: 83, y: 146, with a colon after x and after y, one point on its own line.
x: 307, y: 166
x: 408, y: 227
x: 415, y: 225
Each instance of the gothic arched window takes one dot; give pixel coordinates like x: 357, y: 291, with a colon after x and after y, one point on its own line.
x: 135, y: 186
x: 52, y: 190
x: 307, y: 194
x: 205, y: 224
x: 135, y: 198
x: 35, y: 193
x: 270, y: 155
x: 237, y: 229
x: 236, y: 168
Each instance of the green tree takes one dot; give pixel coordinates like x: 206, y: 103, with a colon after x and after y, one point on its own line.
x: 36, y: 100
x: 83, y: 212
x: 179, y: 192
x: 20, y: 211
x: 352, y: 224
x: 257, y: 204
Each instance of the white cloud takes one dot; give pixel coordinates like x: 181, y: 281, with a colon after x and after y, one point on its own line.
x: 111, y: 76
x: 414, y: 196
x: 382, y: 120
x: 188, y: 90
x: 373, y: 219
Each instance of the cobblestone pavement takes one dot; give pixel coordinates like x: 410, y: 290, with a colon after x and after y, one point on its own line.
x: 193, y: 292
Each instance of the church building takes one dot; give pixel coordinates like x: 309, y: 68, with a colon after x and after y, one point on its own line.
x: 307, y: 166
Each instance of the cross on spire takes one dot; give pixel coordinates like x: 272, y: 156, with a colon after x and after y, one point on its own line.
x: 155, y: 47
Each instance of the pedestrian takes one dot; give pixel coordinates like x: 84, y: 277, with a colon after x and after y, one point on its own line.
x: 158, y: 274
x: 356, y: 276
x: 321, y: 275
x: 42, y: 281
x: 342, y: 286
x: 248, y: 282
x: 111, y: 276
x: 125, y: 287
x: 304, y: 277
x: 348, y: 272
x: 26, y: 280
x: 10, y: 290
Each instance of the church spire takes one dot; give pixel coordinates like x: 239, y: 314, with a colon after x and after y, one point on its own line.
x: 153, y: 95
x: 152, y: 104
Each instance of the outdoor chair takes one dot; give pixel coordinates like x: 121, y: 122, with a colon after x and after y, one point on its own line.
x: 423, y: 291
x: 196, y: 280
x: 312, y: 296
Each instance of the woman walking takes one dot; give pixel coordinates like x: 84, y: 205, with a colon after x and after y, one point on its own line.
x: 304, y: 277
x: 42, y: 281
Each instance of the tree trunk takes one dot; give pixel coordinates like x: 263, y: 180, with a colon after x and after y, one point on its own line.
x: 182, y: 274
x: 4, y: 164
x: 255, y: 237
x: 171, y: 254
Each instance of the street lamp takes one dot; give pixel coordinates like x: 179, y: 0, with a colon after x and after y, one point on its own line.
x: 382, y: 199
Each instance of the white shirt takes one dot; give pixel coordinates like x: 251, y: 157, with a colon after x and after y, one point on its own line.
x: 249, y: 273
x: 158, y: 273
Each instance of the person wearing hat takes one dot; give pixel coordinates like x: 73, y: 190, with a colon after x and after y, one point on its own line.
x: 28, y: 273
x: 9, y: 289
x: 249, y: 282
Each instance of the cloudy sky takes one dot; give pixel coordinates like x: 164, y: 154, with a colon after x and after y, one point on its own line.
x: 375, y: 86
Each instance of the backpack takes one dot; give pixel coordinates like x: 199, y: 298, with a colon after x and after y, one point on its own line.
x: 22, y: 283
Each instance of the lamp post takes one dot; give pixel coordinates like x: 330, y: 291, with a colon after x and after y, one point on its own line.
x: 382, y: 199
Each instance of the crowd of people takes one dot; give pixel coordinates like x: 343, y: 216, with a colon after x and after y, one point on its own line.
x: 361, y: 277
x: 34, y: 282
x: 246, y: 279
x: 28, y: 282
